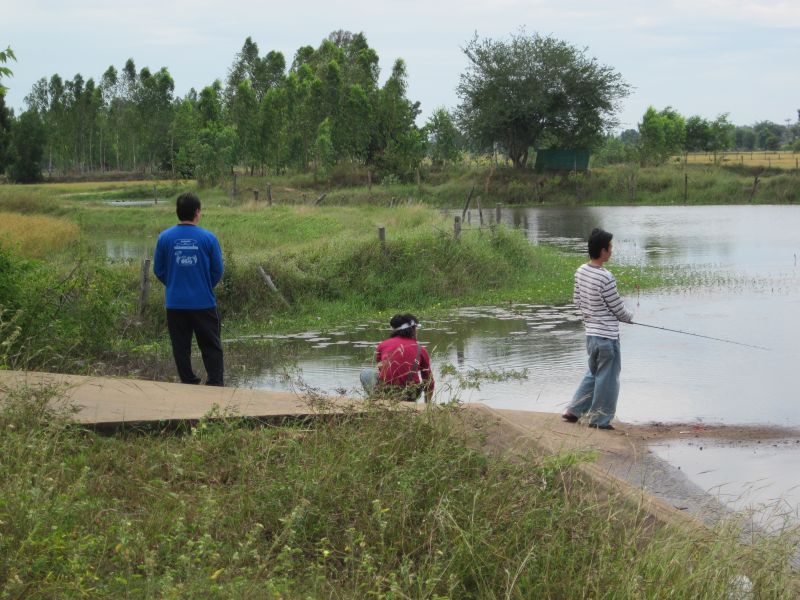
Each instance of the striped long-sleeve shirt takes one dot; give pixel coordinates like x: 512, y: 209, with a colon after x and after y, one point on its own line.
x: 597, y: 298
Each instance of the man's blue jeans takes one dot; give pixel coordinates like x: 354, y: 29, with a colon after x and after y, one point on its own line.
x: 597, y: 394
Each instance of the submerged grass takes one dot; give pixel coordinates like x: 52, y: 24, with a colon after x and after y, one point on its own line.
x: 385, y: 504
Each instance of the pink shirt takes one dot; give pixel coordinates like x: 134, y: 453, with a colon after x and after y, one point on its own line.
x: 396, y: 358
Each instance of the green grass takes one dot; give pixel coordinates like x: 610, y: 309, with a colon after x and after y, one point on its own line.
x: 326, y: 260
x: 386, y: 504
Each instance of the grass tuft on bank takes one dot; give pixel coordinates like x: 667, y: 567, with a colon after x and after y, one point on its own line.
x: 385, y: 503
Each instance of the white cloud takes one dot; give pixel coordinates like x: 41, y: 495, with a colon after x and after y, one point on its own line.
x: 765, y: 13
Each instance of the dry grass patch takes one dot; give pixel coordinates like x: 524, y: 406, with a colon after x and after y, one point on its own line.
x: 35, y: 236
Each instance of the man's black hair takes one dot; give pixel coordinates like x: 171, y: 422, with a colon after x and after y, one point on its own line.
x: 598, y: 241
x: 399, y: 321
x: 186, y: 206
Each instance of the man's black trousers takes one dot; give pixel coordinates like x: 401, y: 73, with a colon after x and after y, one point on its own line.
x: 204, y: 324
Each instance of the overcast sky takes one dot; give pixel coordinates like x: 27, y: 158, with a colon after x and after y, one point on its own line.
x: 701, y: 57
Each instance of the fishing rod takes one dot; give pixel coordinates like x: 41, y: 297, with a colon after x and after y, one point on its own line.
x: 708, y: 337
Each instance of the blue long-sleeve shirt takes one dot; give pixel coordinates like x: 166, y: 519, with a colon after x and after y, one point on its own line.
x: 188, y: 261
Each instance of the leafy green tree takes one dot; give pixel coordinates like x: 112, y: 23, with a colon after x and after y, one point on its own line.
x: 154, y: 104
x: 721, y: 134
x: 209, y: 104
x: 622, y: 149
x: 535, y: 91
x: 698, y: 134
x: 397, y: 146
x: 324, y: 156
x: 630, y: 137
x: 244, y: 67
x: 352, y: 128
x: 27, y: 148
x: 710, y: 136
x: 244, y: 117
x: 5, y: 133
x: 271, y: 136
x: 768, y: 135
x: 5, y: 56
x: 444, y: 138
x: 216, y: 153
x: 5, y: 113
x: 744, y: 138
x: 662, y: 135
x: 184, y: 144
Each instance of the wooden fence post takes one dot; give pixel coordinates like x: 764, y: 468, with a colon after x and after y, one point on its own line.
x: 269, y: 193
x: 685, y: 187
x: 144, y: 285
x: 466, y: 206
x: 497, y: 212
x: 755, y: 186
x: 234, y: 185
x: 155, y: 195
x: 255, y: 195
x: 457, y: 227
x: 268, y: 280
x: 382, y: 238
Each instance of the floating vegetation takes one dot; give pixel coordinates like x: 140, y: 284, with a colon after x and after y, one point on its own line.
x: 472, y: 378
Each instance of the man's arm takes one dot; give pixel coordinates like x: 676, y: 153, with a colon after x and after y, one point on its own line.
x: 576, y: 293
x: 160, y: 262
x: 217, y: 267
x: 614, y: 302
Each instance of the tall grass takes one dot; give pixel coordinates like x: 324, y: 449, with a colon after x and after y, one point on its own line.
x: 36, y: 236
x: 385, y: 504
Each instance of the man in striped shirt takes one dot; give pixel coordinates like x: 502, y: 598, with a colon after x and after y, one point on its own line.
x: 597, y: 298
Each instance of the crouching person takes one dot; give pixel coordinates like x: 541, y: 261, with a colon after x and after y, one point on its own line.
x: 403, y: 365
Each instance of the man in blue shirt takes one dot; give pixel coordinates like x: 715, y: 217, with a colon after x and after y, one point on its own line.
x: 188, y: 261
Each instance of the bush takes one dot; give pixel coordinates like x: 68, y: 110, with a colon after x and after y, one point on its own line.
x: 64, y: 319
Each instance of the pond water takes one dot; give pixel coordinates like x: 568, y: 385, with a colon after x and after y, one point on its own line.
x: 756, y: 477
x: 530, y: 357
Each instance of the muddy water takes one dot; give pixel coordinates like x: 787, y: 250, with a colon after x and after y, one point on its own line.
x: 747, y: 257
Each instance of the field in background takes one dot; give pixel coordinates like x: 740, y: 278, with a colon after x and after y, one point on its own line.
x: 756, y: 158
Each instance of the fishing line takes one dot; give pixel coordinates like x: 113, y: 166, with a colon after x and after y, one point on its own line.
x: 708, y: 337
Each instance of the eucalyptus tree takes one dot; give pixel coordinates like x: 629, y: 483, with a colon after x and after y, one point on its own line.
x: 244, y: 118
x: 5, y: 130
x: 397, y: 146
x: 183, y: 133
x: 26, y: 148
x: 272, y: 141
x: 536, y: 91
x: 154, y: 107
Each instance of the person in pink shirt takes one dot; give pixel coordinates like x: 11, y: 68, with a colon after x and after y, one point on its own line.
x: 404, y: 367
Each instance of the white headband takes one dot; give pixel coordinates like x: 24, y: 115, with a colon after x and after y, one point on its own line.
x: 406, y: 326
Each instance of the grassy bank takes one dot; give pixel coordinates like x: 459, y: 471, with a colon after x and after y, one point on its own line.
x: 674, y: 183
x: 696, y: 182
x: 72, y: 309
x: 384, y: 504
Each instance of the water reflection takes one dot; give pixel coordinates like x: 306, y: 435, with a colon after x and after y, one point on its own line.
x: 121, y: 249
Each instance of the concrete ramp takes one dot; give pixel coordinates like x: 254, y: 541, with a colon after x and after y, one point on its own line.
x: 110, y: 401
